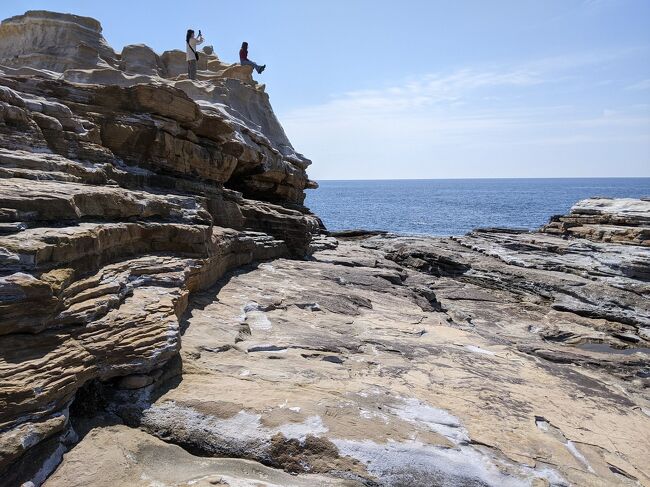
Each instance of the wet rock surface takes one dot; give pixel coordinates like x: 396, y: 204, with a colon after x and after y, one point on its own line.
x: 170, y: 313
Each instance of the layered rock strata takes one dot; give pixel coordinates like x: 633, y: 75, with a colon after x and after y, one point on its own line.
x: 170, y: 313
x: 497, y: 358
x: 117, y: 200
x: 228, y: 105
x: 622, y: 220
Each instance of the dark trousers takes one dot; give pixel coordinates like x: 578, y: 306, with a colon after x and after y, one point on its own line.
x: 191, y: 69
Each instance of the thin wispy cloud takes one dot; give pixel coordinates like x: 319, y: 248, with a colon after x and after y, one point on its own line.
x: 452, y: 88
x: 539, y: 104
x: 427, y: 92
x: 438, y: 88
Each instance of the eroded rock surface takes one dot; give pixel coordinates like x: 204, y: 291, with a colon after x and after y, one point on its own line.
x: 228, y: 108
x: 421, y: 361
x: 145, y: 460
x: 622, y: 220
x: 166, y: 302
x: 120, y: 194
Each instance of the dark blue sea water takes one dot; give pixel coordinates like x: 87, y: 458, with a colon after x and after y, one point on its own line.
x: 456, y: 206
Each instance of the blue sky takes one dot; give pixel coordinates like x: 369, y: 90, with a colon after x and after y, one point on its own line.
x: 426, y: 88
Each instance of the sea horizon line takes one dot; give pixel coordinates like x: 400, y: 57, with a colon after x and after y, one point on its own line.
x: 486, y: 179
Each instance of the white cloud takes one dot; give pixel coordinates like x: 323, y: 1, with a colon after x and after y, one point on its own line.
x: 424, y: 92
x: 449, y: 124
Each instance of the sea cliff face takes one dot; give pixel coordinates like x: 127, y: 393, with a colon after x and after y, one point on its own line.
x: 171, y: 313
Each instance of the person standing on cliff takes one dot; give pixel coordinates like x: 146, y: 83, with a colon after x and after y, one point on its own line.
x: 244, y: 61
x: 190, y: 52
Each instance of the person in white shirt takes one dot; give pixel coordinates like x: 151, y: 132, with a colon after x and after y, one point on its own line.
x: 190, y: 52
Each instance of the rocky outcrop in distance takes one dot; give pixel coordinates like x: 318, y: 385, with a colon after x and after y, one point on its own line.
x: 171, y: 313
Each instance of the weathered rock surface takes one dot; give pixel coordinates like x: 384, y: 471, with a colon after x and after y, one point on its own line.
x: 52, y: 41
x: 622, y: 220
x: 170, y: 313
x: 420, y: 361
x: 145, y: 460
x: 118, y: 200
x: 498, y: 358
x: 174, y: 118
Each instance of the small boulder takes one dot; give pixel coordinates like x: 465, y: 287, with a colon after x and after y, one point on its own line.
x: 140, y: 59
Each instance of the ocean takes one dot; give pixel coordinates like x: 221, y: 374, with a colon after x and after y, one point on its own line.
x: 456, y: 206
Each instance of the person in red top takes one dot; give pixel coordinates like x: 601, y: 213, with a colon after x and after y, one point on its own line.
x: 244, y: 61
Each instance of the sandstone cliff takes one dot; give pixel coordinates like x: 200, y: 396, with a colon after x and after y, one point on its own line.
x: 170, y: 313
x: 120, y: 194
